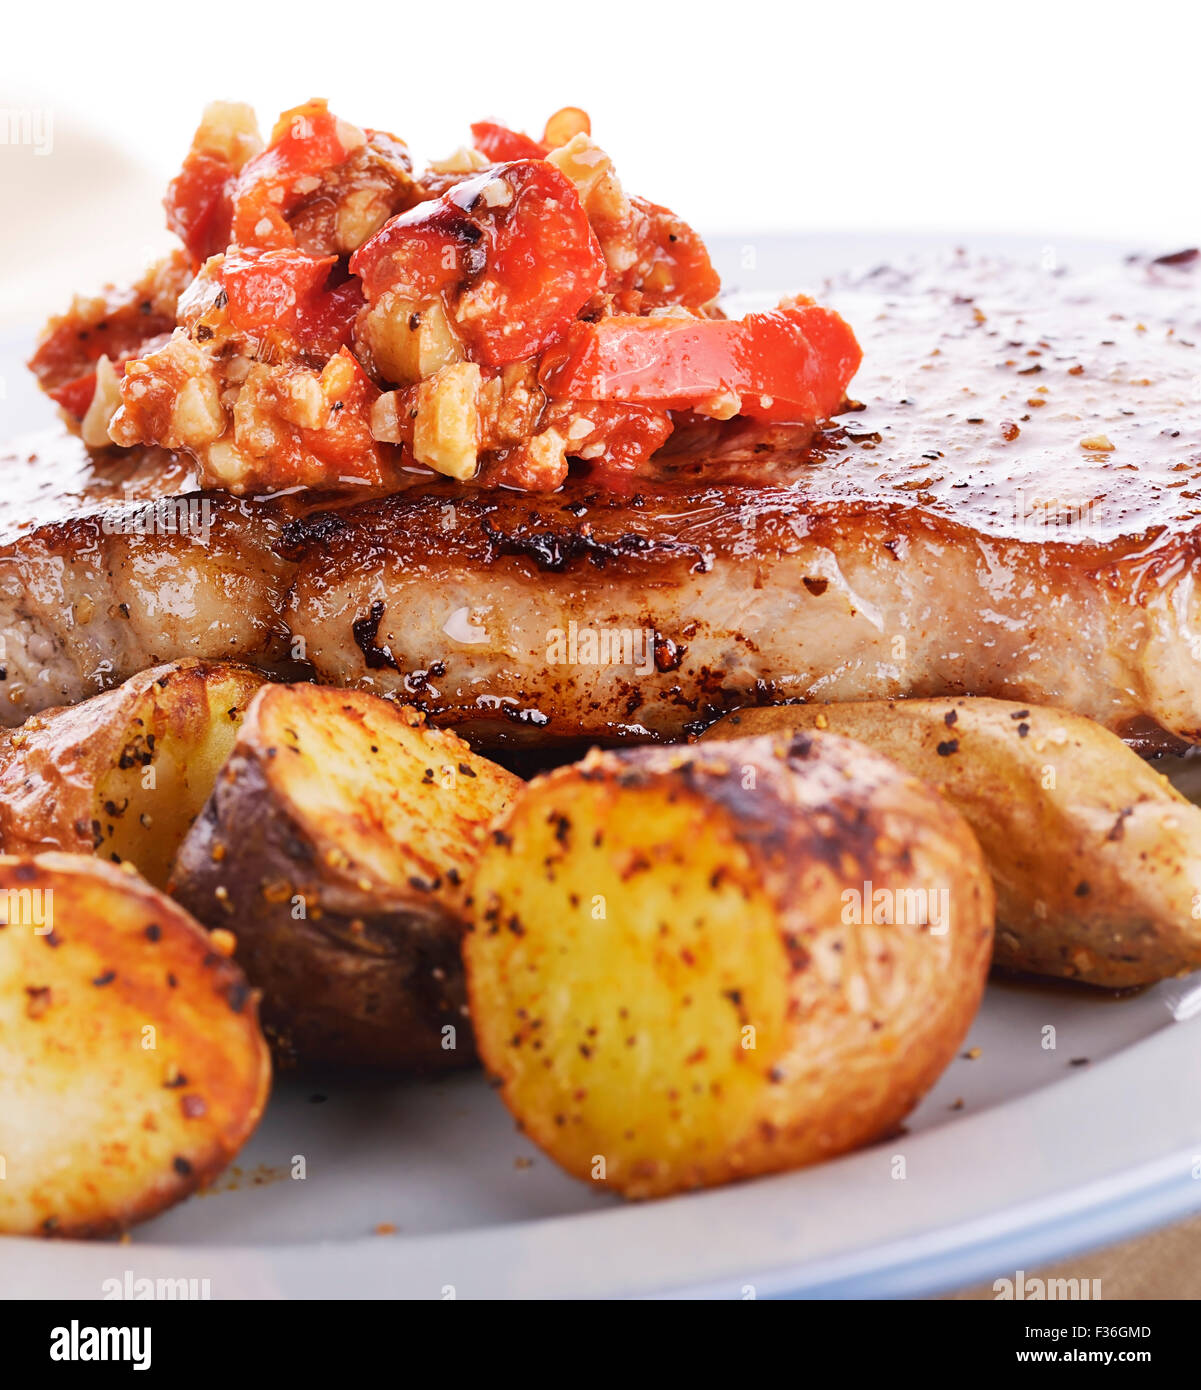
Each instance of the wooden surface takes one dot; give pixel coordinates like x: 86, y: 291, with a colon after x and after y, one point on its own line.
x: 1165, y: 1264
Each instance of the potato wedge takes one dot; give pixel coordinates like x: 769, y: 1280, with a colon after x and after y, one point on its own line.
x: 124, y: 774
x: 672, y: 975
x: 1096, y: 858
x: 335, y: 845
x: 132, y: 1068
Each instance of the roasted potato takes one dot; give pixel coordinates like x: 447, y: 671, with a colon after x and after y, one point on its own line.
x: 1095, y: 857
x: 124, y: 774
x: 335, y: 845
x: 132, y: 1067
x: 672, y: 974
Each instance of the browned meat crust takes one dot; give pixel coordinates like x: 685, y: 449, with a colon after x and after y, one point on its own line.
x: 1014, y: 512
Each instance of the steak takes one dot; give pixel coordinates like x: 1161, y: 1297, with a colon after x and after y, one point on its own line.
x: 1012, y: 509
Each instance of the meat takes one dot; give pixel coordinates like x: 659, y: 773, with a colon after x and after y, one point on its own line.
x: 110, y: 560
x: 1014, y: 511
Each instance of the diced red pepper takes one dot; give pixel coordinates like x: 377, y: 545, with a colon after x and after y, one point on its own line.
x: 273, y: 289
x: 345, y: 444
x: 544, y: 261
x: 791, y: 364
x: 630, y: 435
x: 75, y: 396
x: 419, y: 253
x: 289, y: 291
x: 529, y: 260
x: 326, y: 320
x: 198, y: 204
x: 66, y: 356
x: 681, y: 271
x: 306, y: 142
x: 500, y: 143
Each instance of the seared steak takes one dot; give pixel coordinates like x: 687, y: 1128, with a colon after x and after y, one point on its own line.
x: 1015, y: 512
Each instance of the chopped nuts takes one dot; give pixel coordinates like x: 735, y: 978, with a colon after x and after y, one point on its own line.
x: 497, y: 194
x: 591, y: 170
x: 106, y: 401
x: 360, y: 215
x: 723, y: 407
x: 226, y: 461
x: 228, y: 130
x: 385, y: 422
x: 410, y: 341
x: 302, y: 402
x: 223, y: 941
x: 446, y: 430
x: 463, y: 161
x: 198, y: 417
x: 547, y: 455
x: 350, y: 137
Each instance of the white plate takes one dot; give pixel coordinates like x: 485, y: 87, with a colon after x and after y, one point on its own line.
x: 425, y: 1189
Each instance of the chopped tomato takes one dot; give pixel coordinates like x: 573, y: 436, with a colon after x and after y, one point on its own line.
x: 68, y: 351
x: 75, y: 396
x: 681, y: 271
x: 326, y: 320
x: 421, y: 252
x: 629, y: 434
x: 500, y: 143
x: 345, y: 444
x: 515, y: 241
x: 791, y: 364
x: 198, y: 204
x: 272, y: 289
x: 306, y: 142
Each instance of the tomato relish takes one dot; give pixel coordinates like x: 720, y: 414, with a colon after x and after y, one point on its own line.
x: 336, y: 318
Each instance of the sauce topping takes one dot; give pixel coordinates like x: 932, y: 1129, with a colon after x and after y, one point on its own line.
x: 336, y: 319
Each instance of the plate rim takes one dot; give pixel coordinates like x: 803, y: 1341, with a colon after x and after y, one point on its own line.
x: 1129, y: 1167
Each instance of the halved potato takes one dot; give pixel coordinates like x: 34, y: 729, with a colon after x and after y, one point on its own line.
x: 124, y: 774
x: 335, y: 844
x: 672, y: 973
x: 132, y: 1068
x: 1095, y: 857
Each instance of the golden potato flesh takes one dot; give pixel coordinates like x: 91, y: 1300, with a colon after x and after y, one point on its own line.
x: 369, y: 780
x: 668, y: 978
x: 132, y: 1067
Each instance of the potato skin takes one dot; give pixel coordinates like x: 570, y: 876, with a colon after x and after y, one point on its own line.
x: 722, y: 873
x: 349, y: 922
x: 54, y: 769
x: 132, y: 1068
x: 1095, y: 857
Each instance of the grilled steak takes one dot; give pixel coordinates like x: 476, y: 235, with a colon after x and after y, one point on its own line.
x: 1015, y: 511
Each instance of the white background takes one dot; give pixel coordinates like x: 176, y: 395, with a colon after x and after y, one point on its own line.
x: 1057, y: 119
